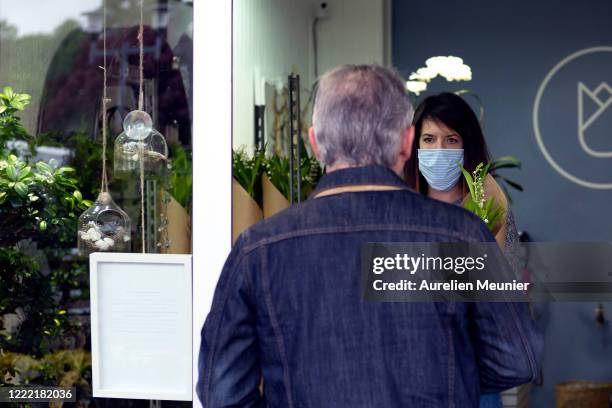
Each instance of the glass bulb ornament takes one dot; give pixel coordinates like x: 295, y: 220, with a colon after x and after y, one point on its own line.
x: 104, y: 227
x: 140, y: 141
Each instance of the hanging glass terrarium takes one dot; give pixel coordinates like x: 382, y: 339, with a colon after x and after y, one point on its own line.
x: 104, y: 227
x: 138, y: 142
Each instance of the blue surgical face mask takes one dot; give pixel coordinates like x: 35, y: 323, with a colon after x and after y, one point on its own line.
x: 440, y: 167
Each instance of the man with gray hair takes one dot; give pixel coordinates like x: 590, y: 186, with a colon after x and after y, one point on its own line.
x: 288, y: 326
x: 362, y: 117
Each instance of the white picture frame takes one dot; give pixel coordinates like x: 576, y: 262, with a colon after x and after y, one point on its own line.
x: 141, y: 326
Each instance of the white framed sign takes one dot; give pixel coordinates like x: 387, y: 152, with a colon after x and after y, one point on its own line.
x: 141, y: 326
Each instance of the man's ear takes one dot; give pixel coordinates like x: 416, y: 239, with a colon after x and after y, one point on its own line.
x: 313, y: 143
x: 407, y: 140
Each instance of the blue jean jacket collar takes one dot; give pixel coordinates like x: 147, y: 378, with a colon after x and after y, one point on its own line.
x: 355, y: 176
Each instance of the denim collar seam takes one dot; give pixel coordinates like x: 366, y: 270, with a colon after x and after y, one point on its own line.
x: 354, y: 228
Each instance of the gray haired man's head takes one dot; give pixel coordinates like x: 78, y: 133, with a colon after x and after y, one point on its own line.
x: 361, y: 115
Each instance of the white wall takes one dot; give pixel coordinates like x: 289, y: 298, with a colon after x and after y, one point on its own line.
x: 212, y: 161
x: 354, y: 33
x: 275, y: 36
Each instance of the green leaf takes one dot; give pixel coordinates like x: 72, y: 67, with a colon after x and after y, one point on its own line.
x: 77, y: 194
x: 507, y: 160
x: 70, y: 201
x: 494, y: 217
x: 485, y: 170
x: 24, y: 98
x: 505, y: 165
x: 469, y: 180
x: 44, y: 167
x: 470, y: 206
x: 42, y: 225
x: 23, y: 173
x: 488, y: 205
x: 12, y: 172
x: 511, y: 183
x: 21, y: 189
x: 8, y: 92
x: 64, y: 169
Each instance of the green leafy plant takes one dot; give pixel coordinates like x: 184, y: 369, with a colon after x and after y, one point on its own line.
x: 506, y: 162
x: 181, y: 175
x: 10, y: 124
x: 35, y: 199
x: 29, y: 314
x: 39, y: 206
x: 484, y: 207
x: 63, y: 368
x: 247, y: 170
x: 311, y: 174
x: 278, y: 170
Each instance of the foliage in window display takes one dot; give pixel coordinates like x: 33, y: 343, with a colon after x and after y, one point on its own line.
x: 37, y: 200
x: 65, y: 368
x: 247, y: 170
x: 181, y: 175
x: 278, y: 171
x: 86, y: 155
x: 39, y: 206
x: 10, y: 124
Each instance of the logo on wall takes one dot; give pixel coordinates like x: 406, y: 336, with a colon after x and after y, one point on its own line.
x: 572, y: 117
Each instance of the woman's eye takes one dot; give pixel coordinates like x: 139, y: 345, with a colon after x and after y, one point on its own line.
x: 452, y: 140
x: 428, y: 139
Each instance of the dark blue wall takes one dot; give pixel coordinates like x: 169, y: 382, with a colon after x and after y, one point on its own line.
x: 511, y: 47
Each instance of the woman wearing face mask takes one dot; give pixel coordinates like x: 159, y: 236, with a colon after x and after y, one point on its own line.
x: 447, y: 133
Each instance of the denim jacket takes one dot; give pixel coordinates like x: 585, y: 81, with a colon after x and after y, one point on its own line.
x: 287, y: 312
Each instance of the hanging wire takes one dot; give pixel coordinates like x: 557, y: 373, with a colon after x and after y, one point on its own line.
x: 105, y: 100
x: 141, y: 107
x: 141, y: 62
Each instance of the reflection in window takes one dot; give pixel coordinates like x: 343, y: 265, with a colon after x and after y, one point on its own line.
x: 52, y: 51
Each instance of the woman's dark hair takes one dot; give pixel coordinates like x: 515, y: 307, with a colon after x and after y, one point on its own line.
x: 455, y: 113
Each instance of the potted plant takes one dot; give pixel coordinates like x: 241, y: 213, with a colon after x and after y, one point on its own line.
x: 275, y: 185
x: 276, y: 181
x: 246, y: 190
